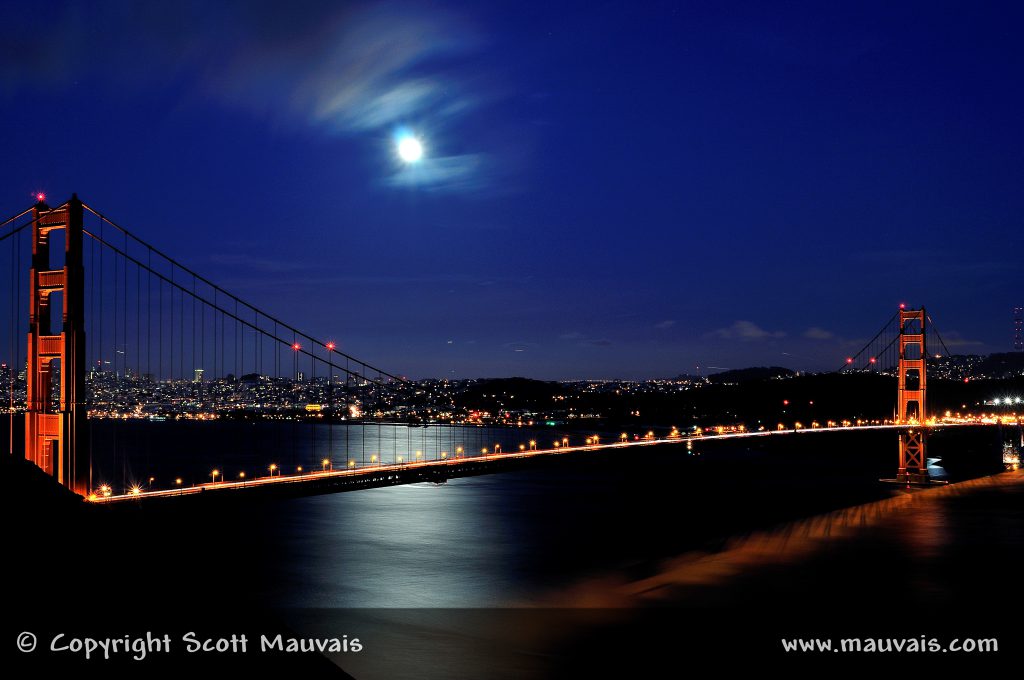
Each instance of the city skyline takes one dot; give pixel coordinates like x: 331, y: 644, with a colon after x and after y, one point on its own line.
x: 751, y: 173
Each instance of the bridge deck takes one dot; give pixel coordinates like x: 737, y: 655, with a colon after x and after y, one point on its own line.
x: 442, y: 469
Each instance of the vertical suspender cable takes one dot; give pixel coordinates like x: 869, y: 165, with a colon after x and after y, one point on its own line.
x: 138, y: 322
x: 312, y: 386
x: 194, y: 326
x: 170, y: 327
x: 160, y: 335
x: 181, y: 335
x: 124, y: 311
x: 12, y: 369
x: 149, y: 316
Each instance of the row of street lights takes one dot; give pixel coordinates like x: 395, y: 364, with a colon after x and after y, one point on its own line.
x: 327, y: 464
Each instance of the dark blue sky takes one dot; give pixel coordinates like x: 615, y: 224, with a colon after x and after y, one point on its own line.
x: 610, y: 189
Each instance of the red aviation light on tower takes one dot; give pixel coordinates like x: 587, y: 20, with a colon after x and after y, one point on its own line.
x: 903, y: 305
x: 40, y: 197
x: 330, y: 346
x: 873, y: 360
x: 296, y: 346
x: 849, y: 360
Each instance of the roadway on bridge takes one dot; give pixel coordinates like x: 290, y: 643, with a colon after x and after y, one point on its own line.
x: 455, y: 462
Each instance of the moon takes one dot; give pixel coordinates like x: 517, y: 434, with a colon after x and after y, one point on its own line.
x: 410, y: 149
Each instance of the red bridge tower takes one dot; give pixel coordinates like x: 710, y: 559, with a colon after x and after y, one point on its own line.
x: 55, y: 431
x: 912, y: 387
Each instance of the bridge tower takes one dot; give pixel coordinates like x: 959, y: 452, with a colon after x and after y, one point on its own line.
x: 55, y: 432
x: 912, y: 387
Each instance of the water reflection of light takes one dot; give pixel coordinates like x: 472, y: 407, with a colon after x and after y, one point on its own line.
x: 924, y: 532
x: 935, y: 470
x: 394, y: 547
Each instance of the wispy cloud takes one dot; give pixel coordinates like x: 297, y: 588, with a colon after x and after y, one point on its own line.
x: 372, y: 70
x: 666, y: 324
x: 454, y: 173
x: 340, y: 68
x: 362, y: 69
x: 745, y: 330
x: 816, y: 333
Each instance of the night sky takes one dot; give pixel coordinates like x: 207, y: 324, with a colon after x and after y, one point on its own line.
x: 608, y: 189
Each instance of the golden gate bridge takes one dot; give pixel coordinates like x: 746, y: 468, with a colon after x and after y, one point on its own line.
x: 133, y: 315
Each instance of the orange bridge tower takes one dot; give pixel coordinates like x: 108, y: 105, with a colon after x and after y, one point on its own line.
x: 912, y: 387
x: 56, y: 430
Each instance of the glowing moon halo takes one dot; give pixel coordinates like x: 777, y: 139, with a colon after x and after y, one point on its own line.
x: 410, y: 149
